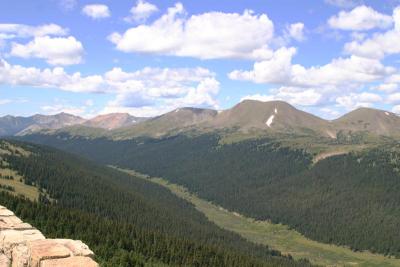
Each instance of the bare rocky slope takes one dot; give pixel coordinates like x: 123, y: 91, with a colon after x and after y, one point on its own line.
x: 376, y: 121
x: 270, y: 116
x: 113, y: 121
x: 11, y: 125
x: 178, y: 120
x: 22, y: 245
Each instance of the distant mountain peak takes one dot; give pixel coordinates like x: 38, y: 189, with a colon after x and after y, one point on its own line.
x: 113, y: 121
x: 275, y: 116
x: 10, y: 125
x: 376, y: 121
x: 277, y: 103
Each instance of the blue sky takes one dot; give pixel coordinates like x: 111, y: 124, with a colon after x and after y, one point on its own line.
x: 150, y: 57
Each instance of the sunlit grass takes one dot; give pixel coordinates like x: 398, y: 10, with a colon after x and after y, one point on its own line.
x: 20, y: 187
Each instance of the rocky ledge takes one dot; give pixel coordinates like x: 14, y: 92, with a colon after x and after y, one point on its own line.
x: 21, y: 245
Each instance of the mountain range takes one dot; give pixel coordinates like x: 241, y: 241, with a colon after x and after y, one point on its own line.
x: 16, y: 125
x: 246, y: 117
x: 333, y: 181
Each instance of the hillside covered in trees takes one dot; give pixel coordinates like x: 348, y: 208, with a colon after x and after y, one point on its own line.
x: 349, y: 199
x: 126, y: 221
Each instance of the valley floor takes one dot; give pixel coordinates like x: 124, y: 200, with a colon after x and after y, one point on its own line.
x: 277, y: 236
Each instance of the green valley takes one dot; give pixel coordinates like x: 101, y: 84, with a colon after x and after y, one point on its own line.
x: 125, y: 220
x: 277, y: 236
x: 342, y: 199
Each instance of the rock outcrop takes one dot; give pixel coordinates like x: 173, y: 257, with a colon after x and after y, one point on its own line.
x: 21, y: 245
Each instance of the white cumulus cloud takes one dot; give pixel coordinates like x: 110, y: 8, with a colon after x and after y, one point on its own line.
x: 50, y: 78
x: 141, y: 11
x: 390, y: 84
x: 380, y: 44
x: 360, y: 18
x: 172, y: 87
x: 55, y: 50
x: 96, y: 11
x: 276, y: 69
x: 293, y: 95
x: 206, y: 36
x: 356, y: 100
x: 296, y: 31
x: 47, y: 41
x: 341, y: 71
x: 145, y: 92
x: 10, y: 31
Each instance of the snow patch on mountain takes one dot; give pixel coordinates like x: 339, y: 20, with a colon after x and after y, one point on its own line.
x: 270, y: 120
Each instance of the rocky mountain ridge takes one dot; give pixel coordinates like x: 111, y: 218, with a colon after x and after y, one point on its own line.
x: 249, y: 116
x: 16, y: 125
x: 265, y: 118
